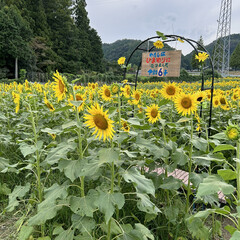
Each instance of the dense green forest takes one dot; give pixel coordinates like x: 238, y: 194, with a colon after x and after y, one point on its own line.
x: 124, y: 47
x: 42, y: 36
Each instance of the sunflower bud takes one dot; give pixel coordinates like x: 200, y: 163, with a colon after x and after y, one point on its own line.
x: 233, y: 132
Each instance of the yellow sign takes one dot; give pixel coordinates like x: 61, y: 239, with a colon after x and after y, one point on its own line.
x: 161, y: 64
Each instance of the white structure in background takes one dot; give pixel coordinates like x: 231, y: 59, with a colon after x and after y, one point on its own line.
x: 221, y: 55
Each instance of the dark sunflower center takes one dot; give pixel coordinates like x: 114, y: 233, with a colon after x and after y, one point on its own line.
x: 223, y: 101
x: 79, y: 98
x: 170, y: 90
x: 49, y: 106
x: 186, y: 103
x: 199, y: 99
x: 100, y: 121
x: 61, y: 86
x: 216, y: 102
x: 154, y: 113
x: 107, y: 92
x: 137, y: 96
x: 125, y: 126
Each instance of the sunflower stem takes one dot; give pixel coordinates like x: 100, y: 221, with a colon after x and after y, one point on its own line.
x: 38, y: 168
x: 189, y: 166
x: 80, y: 148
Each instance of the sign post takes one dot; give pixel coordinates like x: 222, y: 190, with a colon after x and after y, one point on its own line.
x: 161, y: 64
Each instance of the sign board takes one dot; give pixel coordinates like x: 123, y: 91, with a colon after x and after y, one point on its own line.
x: 161, y: 64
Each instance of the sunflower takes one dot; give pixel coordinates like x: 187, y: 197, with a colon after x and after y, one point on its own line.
x: 200, y: 96
x: 158, y: 44
x: 16, y: 100
x: 170, y: 90
x: 99, y: 120
x: 185, y: 104
x: 79, y: 97
x: 48, y: 104
x: 153, y: 113
x: 136, y: 97
x: 233, y: 132
x: 106, y: 93
x: 223, y: 102
x: 216, y: 101
x: 125, y: 126
x: 115, y: 88
x: 201, y: 56
x: 59, y: 87
x: 121, y: 60
x: 126, y: 91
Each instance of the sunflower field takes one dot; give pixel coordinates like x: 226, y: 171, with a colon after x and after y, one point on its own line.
x: 95, y: 162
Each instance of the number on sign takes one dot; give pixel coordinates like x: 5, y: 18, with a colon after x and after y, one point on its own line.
x: 160, y: 73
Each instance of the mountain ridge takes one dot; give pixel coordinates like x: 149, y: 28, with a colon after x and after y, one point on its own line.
x: 124, y: 47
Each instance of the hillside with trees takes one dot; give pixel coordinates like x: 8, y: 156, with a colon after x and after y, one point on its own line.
x: 112, y: 51
x: 42, y: 36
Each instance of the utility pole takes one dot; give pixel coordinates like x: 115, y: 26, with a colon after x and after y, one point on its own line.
x: 221, y: 55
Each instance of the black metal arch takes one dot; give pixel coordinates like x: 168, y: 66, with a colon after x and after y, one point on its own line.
x: 173, y: 38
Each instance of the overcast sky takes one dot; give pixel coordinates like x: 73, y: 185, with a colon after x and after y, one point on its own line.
x: 140, y: 19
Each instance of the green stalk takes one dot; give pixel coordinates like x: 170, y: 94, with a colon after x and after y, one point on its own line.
x: 189, y: 167
x: 238, y: 179
x: 111, y: 191
x: 38, y: 168
x: 80, y: 148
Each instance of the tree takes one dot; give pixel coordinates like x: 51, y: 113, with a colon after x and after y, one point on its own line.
x: 235, y: 58
x: 15, y: 35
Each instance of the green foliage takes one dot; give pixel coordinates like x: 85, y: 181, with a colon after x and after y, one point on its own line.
x: 235, y: 59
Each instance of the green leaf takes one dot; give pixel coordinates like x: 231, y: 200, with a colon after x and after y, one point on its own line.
x: 171, y: 213
x: 179, y: 157
x: 51, y: 131
x: 4, y: 190
x: 213, y: 184
x: 84, y: 206
x: 27, y: 149
x: 25, y: 232
x: 48, y: 208
x: 197, y: 228
x: 44, y: 238
x: 220, y: 136
x: 107, y: 155
x: 66, y: 235
x: 144, y: 231
x: 69, y: 124
x: 200, y: 143
x: 60, y: 152
x: 227, y: 174
x: 3, y: 163
x: 115, y: 229
x: 160, y: 34
x: 83, y: 224
x: 62, y: 109
x: 71, y: 168
x: 223, y: 147
x: 230, y: 229
x: 106, y: 203
x: 140, y: 182
x: 197, y: 178
x: 204, y: 214
x: 171, y: 183
x: 17, y: 193
x: 145, y: 205
x: 235, y: 236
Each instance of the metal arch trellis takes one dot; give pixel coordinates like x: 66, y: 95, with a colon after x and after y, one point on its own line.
x: 173, y: 38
